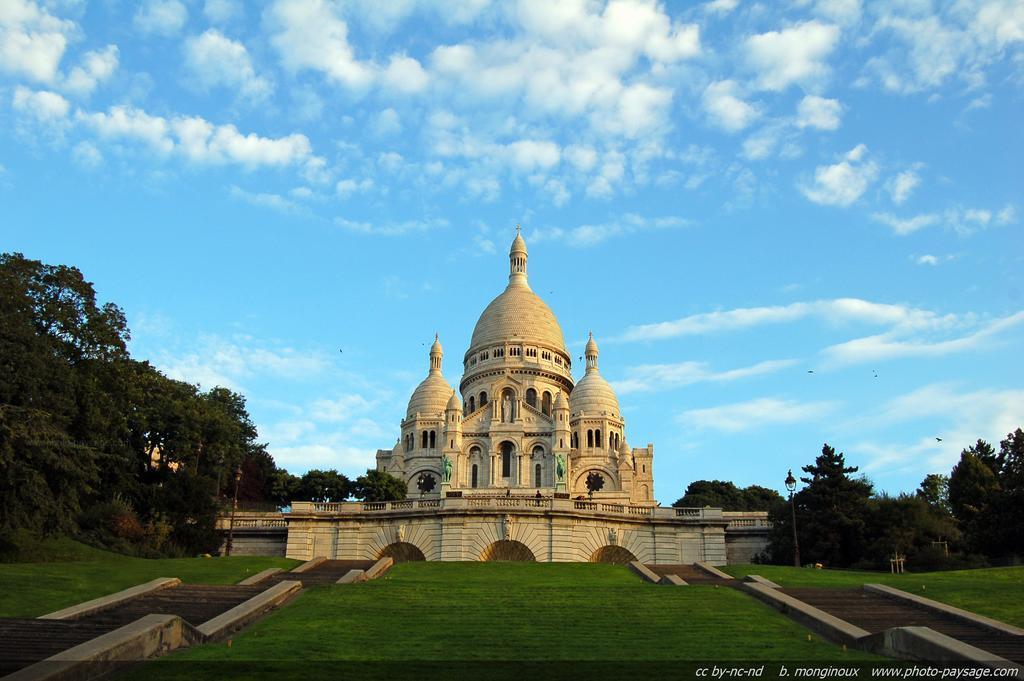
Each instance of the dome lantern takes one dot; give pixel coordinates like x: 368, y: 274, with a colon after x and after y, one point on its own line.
x: 436, y: 355
x: 591, y: 354
x: 517, y: 256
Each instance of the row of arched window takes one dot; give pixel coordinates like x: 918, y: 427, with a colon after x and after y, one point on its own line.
x: 594, y: 439
x: 507, y: 452
x: 516, y: 351
x: 428, y: 440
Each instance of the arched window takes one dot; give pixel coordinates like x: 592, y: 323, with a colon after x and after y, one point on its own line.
x: 575, y: 440
x: 597, y: 437
x: 483, y: 399
x: 561, y: 442
x: 472, y: 404
x: 531, y: 397
x: 433, y: 440
x: 538, y: 451
x: 590, y: 438
x: 545, y: 404
x: 473, y: 480
x: 506, y: 459
x: 424, y: 439
x: 536, y: 476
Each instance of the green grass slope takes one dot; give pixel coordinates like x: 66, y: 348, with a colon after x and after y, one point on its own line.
x: 995, y: 592
x: 74, y: 572
x: 567, y: 619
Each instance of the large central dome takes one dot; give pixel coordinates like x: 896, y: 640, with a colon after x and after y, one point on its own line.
x: 518, y: 314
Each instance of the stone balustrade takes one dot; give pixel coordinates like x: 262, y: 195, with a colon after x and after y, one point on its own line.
x: 523, y: 503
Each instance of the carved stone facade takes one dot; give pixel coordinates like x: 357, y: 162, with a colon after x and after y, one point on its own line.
x: 520, y: 412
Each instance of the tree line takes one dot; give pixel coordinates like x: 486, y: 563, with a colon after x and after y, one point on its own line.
x: 969, y: 517
x: 98, y: 445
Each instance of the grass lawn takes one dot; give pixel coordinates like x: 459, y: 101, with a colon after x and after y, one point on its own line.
x: 75, y: 572
x: 466, y: 619
x: 996, y: 592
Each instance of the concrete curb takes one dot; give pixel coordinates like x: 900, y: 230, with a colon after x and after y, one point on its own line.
x: 309, y: 564
x: 924, y: 644
x: 712, y: 570
x: 674, y: 580
x: 758, y: 579
x: 352, y: 576
x: 260, y: 576
x: 104, y: 602
x: 944, y: 609
x: 144, y: 638
x: 814, y: 619
x: 244, y: 613
x: 378, y: 568
x: 644, y: 571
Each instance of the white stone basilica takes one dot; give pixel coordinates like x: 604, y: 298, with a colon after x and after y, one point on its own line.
x: 523, y: 423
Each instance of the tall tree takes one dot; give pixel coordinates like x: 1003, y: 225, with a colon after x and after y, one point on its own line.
x: 831, y: 514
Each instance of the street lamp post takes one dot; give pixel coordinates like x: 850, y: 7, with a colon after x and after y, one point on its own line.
x: 234, y: 507
x: 791, y: 486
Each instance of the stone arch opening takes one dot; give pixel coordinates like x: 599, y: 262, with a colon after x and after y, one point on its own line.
x: 507, y: 450
x: 612, y: 554
x: 402, y: 552
x: 509, y: 550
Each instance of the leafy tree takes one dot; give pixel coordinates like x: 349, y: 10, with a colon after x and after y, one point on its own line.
x: 725, y: 495
x: 377, y: 485
x: 907, y: 525
x: 934, y: 491
x: 831, y: 515
x: 317, y: 485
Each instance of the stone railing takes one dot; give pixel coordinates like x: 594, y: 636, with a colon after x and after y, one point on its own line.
x: 520, y: 503
x: 747, y: 520
x: 253, y: 521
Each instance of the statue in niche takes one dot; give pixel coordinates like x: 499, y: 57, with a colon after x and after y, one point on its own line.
x: 446, y: 469
x: 506, y: 410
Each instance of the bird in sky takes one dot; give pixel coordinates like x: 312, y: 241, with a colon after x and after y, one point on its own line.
x: 341, y: 351
x: 810, y: 371
x: 938, y: 439
x: 875, y: 372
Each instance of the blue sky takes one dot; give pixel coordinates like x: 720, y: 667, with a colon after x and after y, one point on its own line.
x: 291, y: 198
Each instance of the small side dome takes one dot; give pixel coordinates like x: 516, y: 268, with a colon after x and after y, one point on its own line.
x: 560, y: 401
x: 625, y: 449
x: 453, y: 402
x: 593, y: 395
x: 430, y: 397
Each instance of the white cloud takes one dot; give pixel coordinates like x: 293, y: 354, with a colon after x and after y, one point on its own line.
x: 230, y: 361
x: 593, y: 234
x: 528, y: 155
x: 957, y: 415
x: 896, y: 343
x: 725, y: 108
x: 222, y: 11
x: 902, y: 185
x: 903, y: 226
x: 390, y: 229
x: 87, y: 155
x: 819, y: 112
x: 164, y: 17
x: 927, y: 260
x: 214, y: 60
x: 32, y: 41
x: 45, y: 106
x: 197, y: 140
x: 97, y: 66
x: 347, y: 187
x: 842, y: 183
x: 833, y: 311
x: 720, y: 6
x: 792, y: 55
x: 265, y: 200
x: 651, y: 377
x: 758, y: 413
x: 387, y: 123
x: 309, y: 35
x: 405, y: 74
x: 964, y: 221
